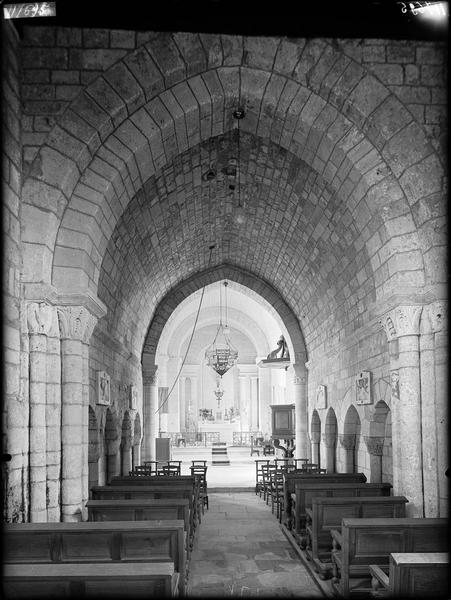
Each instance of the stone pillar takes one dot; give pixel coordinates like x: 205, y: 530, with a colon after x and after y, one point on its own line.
x: 254, y: 424
x: 402, y: 324
x: 375, y: 447
x: 126, y: 457
x: 347, y: 442
x: 150, y: 416
x: 315, y: 439
x: 39, y: 320
x: 244, y: 404
x: 300, y: 411
x: 330, y: 453
x: 76, y: 327
x: 434, y: 373
x: 53, y: 420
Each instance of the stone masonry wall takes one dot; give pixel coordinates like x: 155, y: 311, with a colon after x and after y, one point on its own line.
x: 15, y: 402
x: 59, y: 62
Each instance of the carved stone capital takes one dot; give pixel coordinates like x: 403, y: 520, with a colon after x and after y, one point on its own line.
x: 347, y: 440
x: 401, y: 321
x: 76, y: 323
x: 329, y: 442
x: 374, y: 444
x: 150, y: 377
x: 40, y: 317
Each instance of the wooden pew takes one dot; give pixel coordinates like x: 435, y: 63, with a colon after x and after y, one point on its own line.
x: 305, y: 492
x: 327, y: 513
x: 161, y: 492
x: 192, y: 482
x: 140, y: 510
x: 414, y: 575
x: 290, y: 480
x: 362, y: 542
x: 104, y: 542
x: 87, y: 580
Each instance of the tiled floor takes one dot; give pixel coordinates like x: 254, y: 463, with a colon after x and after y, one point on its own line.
x: 240, y: 551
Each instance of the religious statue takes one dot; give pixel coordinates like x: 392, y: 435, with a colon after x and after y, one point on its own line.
x: 282, y: 348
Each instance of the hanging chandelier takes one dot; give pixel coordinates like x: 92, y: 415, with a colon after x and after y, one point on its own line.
x: 221, y: 355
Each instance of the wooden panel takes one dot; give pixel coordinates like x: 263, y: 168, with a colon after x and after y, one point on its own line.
x: 68, y: 580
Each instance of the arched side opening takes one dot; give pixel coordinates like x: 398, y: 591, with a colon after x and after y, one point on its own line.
x: 330, y: 440
x: 315, y: 437
x: 93, y: 450
x: 350, y: 440
x: 126, y: 445
x: 379, y: 429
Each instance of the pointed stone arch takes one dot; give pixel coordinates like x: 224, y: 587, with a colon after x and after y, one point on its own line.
x: 230, y: 272
x: 379, y: 444
x: 113, y: 131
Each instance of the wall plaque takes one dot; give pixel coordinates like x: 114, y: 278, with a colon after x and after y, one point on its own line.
x: 363, y: 388
x: 321, y: 396
x: 103, y: 388
x: 133, y: 397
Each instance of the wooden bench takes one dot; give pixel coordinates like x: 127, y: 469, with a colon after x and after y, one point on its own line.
x: 140, y: 510
x: 104, y: 542
x: 76, y: 580
x: 327, y: 513
x: 192, y: 482
x: 163, y: 492
x: 305, y: 492
x: 412, y: 575
x: 290, y: 480
x: 362, y: 542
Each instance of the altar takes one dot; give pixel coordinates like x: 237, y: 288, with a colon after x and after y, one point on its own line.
x: 225, y: 430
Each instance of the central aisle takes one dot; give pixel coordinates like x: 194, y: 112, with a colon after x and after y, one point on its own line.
x: 240, y: 550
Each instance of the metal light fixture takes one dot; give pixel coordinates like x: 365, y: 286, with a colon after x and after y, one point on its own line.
x: 221, y: 355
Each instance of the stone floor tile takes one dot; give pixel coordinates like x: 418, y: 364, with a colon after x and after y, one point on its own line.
x: 240, y: 551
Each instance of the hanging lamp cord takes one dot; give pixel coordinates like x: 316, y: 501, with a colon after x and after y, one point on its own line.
x: 190, y: 340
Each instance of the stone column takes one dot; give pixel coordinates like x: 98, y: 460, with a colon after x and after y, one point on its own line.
x: 300, y: 410
x: 330, y: 453
x: 375, y: 447
x: 433, y: 368
x: 53, y: 419
x: 126, y: 456
x: 254, y: 425
x: 315, y: 439
x: 244, y: 404
x: 39, y: 320
x: 402, y: 324
x: 347, y: 442
x: 150, y: 417
x: 76, y: 327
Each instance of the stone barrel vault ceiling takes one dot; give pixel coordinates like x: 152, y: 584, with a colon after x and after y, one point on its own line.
x: 328, y: 173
